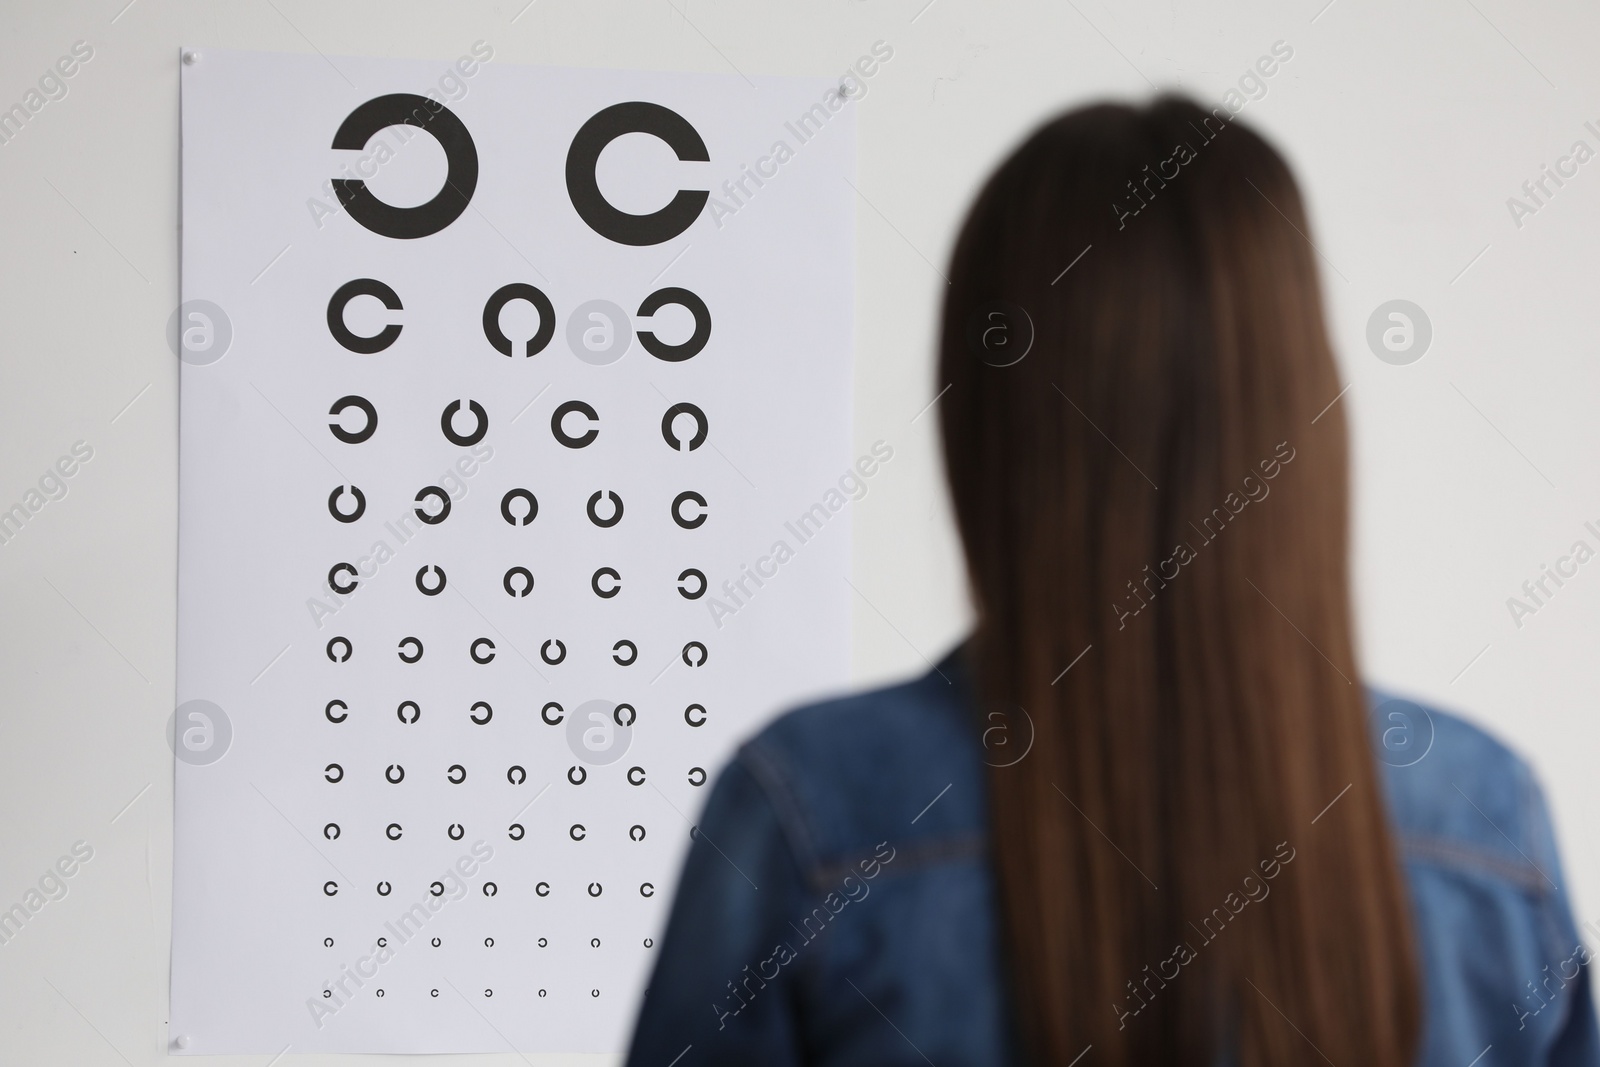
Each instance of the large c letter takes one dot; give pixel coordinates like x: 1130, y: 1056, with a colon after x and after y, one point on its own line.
x: 461, y: 155
x: 635, y: 116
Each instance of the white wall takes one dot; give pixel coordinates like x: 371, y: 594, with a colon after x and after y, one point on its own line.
x: 1410, y: 126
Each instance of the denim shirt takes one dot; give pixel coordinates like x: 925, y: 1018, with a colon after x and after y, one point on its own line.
x: 838, y: 906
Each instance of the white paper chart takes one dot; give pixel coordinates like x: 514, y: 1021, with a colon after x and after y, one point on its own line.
x: 515, y: 403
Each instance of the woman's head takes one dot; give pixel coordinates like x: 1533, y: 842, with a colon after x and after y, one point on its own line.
x: 1148, y: 470
x: 1133, y: 326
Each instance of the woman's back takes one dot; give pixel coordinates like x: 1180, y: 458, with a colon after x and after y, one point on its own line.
x: 838, y: 905
x: 1143, y: 815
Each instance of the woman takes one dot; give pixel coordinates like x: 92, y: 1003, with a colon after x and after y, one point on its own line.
x: 1146, y: 814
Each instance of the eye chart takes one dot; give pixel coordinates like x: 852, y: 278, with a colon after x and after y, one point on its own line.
x: 508, y: 398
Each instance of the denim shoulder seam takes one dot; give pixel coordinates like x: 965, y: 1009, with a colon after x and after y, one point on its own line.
x: 785, y: 805
x: 912, y: 858
x: 1453, y: 854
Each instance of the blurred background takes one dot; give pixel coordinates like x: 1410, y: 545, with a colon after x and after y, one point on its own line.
x: 1423, y: 132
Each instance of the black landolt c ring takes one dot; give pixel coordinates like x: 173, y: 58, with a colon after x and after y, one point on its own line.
x: 333, y: 578
x: 616, y: 509
x: 702, y: 324
x: 574, y: 406
x: 439, y: 495
x: 350, y: 340
x: 461, y: 160
x: 583, y: 188
x: 353, y: 514
x: 511, y: 516
x: 609, y: 591
x: 422, y: 573
x: 476, y: 435
x: 512, y: 588
x: 503, y: 296
x: 700, y: 430
x: 362, y: 404
x: 687, y: 497
x: 694, y: 594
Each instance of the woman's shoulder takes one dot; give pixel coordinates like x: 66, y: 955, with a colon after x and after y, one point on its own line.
x: 1489, y: 901
x: 900, y: 764
x: 1459, y: 797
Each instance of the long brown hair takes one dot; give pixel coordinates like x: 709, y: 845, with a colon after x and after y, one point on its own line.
x: 1150, y: 485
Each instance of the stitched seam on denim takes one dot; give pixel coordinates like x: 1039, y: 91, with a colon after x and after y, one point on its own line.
x: 910, y: 859
x: 763, y: 769
x: 1450, y: 854
x: 785, y: 805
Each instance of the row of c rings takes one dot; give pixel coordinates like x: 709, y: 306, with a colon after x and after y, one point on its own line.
x: 509, y: 513
x: 480, y: 426
x: 394, y: 831
x: 516, y: 774
x: 345, y: 578
x: 337, y: 711
x: 371, y: 344
x: 482, y: 650
x: 330, y: 888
